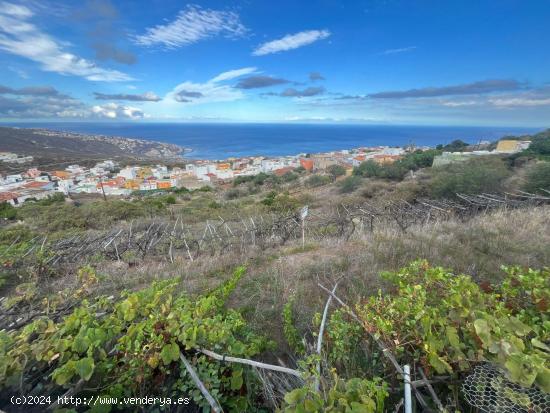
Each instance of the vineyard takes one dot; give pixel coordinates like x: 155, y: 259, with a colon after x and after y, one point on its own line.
x: 172, y: 238
x: 277, y: 311
x: 160, y: 342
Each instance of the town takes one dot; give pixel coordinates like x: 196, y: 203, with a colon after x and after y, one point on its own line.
x: 109, y: 178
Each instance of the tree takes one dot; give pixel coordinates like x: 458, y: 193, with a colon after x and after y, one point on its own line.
x: 335, y: 171
x: 317, y: 180
x: 455, y: 146
x: 368, y: 169
x: 540, y: 144
x: 7, y: 211
x: 538, y: 178
x: 350, y: 184
x: 486, y: 174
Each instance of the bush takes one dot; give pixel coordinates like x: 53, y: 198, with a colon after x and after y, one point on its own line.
x: 486, y: 174
x: 368, y: 169
x: 233, y: 193
x: 540, y: 144
x: 455, y: 146
x: 7, y: 211
x: 538, y: 178
x: 280, y: 202
x: 336, y: 170
x: 317, y: 180
x: 289, y: 177
x: 455, y: 323
x: 170, y: 199
x: 397, y: 170
x: 350, y: 184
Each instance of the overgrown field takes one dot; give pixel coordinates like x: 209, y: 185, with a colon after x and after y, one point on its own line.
x: 443, y: 270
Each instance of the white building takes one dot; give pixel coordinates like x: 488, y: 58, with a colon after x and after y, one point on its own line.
x: 129, y: 172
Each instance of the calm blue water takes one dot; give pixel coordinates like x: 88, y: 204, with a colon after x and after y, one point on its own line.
x: 219, y: 141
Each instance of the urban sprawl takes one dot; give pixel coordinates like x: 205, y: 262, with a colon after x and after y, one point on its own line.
x: 108, y: 178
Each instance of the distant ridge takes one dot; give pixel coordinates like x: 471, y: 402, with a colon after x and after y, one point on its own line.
x: 62, y: 145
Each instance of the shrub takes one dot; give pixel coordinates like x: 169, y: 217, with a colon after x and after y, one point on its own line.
x: 397, y: 170
x: 7, y: 211
x: 280, y: 202
x: 538, y: 178
x: 540, y: 144
x: 350, y: 184
x: 233, y: 193
x: 336, y: 170
x: 135, y: 346
x: 289, y: 177
x: 317, y: 180
x: 455, y: 146
x: 454, y: 323
x: 368, y: 169
x: 486, y: 174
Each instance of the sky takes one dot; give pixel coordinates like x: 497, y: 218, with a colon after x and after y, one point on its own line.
x: 424, y: 62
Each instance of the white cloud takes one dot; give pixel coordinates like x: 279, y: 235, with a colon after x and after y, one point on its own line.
x: 20, y: 37
x: 116, y: 111
x: 210, y: 91
x: 458, y: 104
x: 232, y: 74
x: 291, y: 41
x: 520, y: 101
x: 400, y: 50
x: 191, y: 25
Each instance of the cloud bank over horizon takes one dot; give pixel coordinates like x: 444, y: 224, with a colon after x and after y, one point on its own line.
x: 243, y: 61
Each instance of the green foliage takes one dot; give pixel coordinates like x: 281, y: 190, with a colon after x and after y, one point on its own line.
x: 170, y: 199
x: 56, y: 198
x: 349, y: 184
x: 317, y: 180
x: 449, y: 322
x: 292, y: 336
x: 353, y: 396
x: 7, y: 211
x: 343, y: 342
x: 455, y: 146
x: 95, y: 215
x: 336, y: 170
x: 289, y: 177
x: 538, y: 178
x: 540, y: 144
x: 280, y: 202
x: 233, y: 193
x: 486, y: 174
x: 133, y: 348
x: 397, y: 170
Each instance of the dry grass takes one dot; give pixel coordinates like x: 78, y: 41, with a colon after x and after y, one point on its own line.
x: 478, y: 247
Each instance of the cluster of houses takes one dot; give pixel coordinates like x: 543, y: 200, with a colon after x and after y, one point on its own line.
x: 10, y: 157
x: 108, y: 178
x: 104, y: 178
x: 235, y: 167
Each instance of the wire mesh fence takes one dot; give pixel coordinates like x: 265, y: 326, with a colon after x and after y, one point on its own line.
x: 490, y: 391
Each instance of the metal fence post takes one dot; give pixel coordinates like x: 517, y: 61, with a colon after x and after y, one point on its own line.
x: 407, y: 379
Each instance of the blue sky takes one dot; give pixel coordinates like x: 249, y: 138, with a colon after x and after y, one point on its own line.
x: 470, y: 62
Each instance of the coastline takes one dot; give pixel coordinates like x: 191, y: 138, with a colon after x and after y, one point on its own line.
x: 201, y: 141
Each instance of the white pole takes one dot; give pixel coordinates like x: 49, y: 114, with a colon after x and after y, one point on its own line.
x: 303, y: 233
x: 407, y: 378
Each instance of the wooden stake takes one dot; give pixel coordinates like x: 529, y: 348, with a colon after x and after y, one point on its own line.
x: 213, y: 403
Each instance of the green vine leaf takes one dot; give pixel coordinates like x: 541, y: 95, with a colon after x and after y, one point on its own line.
x: 169, y: 353
x: 85, y: 368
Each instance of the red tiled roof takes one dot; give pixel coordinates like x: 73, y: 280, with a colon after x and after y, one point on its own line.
x: 7, y: 196
x: 35, y: 184
x: 282, y: 171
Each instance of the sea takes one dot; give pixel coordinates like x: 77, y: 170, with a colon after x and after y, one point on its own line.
x: 221, y: 141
